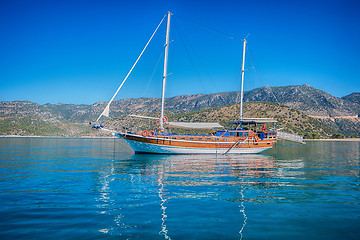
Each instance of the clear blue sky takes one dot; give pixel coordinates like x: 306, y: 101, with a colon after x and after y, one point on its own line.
x: 79, y: 51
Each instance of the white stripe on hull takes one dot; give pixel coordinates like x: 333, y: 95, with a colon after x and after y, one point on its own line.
x: 156, y: 148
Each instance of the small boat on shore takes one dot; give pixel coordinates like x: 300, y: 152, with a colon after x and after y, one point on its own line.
x: 241, y: 138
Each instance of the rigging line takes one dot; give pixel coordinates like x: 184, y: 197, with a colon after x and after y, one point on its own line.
x: 193, y: 63
x: 237, y: 97
x: 258, y: 78
x: 152, y: 75
x: 209, y: 29
x: 106, y: 110
x: 189, y: 56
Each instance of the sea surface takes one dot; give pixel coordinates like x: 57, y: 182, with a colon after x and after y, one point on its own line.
x: 57, y: 188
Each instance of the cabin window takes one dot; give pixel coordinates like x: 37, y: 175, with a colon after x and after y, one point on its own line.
x: 200, y: 138
x: 232, y: 134
x: 217, y: 139
x: 182, y: 138
x: 224, y: 139
x: 219, y: 133
x: 173, y: 138
x: 246, y: 134
x: 226, y: 134
x: 239, y: 134
x: 191, y: 138
x: 208, y: 138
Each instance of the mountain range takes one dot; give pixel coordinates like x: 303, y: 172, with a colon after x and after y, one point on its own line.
x: 337, y: 115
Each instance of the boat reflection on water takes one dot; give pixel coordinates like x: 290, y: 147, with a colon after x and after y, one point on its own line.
x: 300, y: 191
x: 163, y: 186
x: 213, y: 173
x: 163, y: 200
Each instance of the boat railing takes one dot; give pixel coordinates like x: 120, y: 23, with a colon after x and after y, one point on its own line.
x: 235, y: 144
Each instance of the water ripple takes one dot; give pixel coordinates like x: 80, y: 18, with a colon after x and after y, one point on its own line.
x: 95, y: 189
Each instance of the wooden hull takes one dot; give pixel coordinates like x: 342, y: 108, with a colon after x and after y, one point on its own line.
x: 213, y: 145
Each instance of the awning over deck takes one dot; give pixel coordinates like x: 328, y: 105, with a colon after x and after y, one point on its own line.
x: 254, y: 120
x: 194, y: 125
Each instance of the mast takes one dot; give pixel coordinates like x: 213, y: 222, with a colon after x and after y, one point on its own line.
x: 242, y: 81
x: 165, y: 71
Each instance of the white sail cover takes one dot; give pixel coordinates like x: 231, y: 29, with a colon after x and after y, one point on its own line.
x: 185, y: 125
x: 145, y: 117
x: 193, y: 125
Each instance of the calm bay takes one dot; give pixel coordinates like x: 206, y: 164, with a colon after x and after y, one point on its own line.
x: 63, y: 188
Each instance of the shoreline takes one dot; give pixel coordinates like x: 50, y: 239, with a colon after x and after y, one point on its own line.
x: 85, y: 137
x: 336, y: 139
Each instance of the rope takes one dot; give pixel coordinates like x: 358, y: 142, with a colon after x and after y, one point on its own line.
x: 152, y: 75
x: 210, y: 29
x: 106, y: 110
x: 259, y: 79
x: 189, y: 56
x: 182, y: 40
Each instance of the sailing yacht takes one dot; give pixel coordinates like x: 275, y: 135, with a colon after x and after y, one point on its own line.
x: 243, y: 138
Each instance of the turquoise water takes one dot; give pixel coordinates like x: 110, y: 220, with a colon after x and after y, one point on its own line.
x: 97, y: 189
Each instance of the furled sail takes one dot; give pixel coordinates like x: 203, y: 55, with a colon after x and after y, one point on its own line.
x: 145, y: 117
x: 185, y: 125
x: 193, y: 125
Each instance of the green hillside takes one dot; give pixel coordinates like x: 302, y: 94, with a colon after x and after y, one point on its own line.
x: 291, y: 120
x: 301, y: 109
